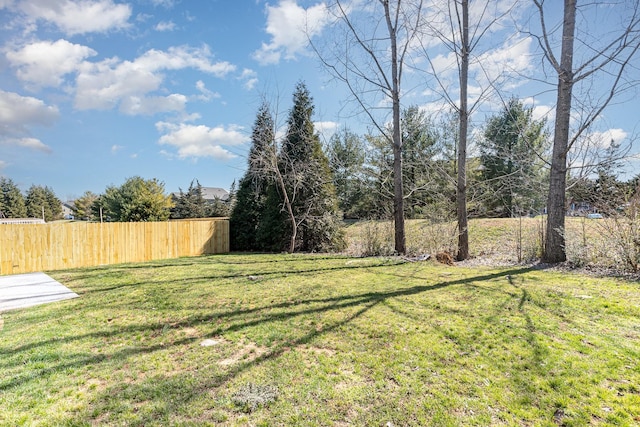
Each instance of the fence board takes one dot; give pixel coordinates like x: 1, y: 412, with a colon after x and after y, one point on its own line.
x: 26, y: 248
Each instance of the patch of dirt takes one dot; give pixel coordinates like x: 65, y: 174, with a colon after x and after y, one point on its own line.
x: 190, y: 332
x: 94, y: 384
x: 320, y: 350
x: 248, y: 353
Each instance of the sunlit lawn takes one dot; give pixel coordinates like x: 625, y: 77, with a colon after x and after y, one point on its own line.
x: 344, y: 341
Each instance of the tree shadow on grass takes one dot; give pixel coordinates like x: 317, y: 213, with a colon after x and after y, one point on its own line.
x: 266, y: 314
x: 173, y: 392
x: 209, y: 380
x: 259, y: 274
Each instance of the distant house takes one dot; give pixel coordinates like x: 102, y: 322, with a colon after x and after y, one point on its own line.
x: 67, y: 209
x: 210, y: 194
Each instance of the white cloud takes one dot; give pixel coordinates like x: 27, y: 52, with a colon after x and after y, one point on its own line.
x: 205, y: 94
x: 326, y: 129
x: 490, y: 15
x: 250, y: 78
x: 176, y: 58
x: 115, y: 148
x: 137, y: 105
x: 540, y: 112
x: 18, y: 114
x: 165, y: 3
x: 3, y: 164
x: 201, y: 141
x: 104, y: 84
x: 289, y: 26
x: 165, y: 26
x: 512, y: 60
x: 444, y: 64
x: 45, y: 63
x: 267, y: 55
x: 78, y: 17
x: 605, y: 138
x: 34, y: 144
x: 250, y: 84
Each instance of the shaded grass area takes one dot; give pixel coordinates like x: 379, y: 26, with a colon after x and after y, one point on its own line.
x: 345, y: 341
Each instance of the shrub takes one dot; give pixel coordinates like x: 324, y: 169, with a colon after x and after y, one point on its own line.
x: 251, y: 396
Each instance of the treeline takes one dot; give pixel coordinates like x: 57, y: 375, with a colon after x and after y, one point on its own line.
x: 38, y: 202
x: 137, y: 199
x: 505, y: 177
x: 295, y: 189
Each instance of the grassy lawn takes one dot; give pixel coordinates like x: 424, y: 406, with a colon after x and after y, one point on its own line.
x: 338, y: 341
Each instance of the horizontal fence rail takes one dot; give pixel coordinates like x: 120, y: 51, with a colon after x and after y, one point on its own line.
x: 26, y: 248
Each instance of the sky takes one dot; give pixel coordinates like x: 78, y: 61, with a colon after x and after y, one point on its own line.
x: 95, y: 91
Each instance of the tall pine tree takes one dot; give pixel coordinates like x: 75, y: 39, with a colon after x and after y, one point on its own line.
x: 306, y: 188
x: 190, y: 204
x: 11, y: 200
x: 252, y: 192
x: 512, y: 172
x: 42, y: 201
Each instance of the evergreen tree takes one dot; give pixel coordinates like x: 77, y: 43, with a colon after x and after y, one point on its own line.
x: 54, y: 203
x: 380, y: 171
x: 512, y: 173
x: 417, y: 154
x: 190, y: 204
x: 251, y: 196
x: 347, y: 156
x: 218, y: 208
x: 43, y: 201
x: 82, y: 207
x: 609, y: 193
x: 307, y: 184
x: 99, y: 209
x: 137, y: 200
x: 273, y: 233
x: 12, y: 203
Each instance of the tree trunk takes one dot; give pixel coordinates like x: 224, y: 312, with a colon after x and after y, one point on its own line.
x: 398, y: 197
x: 554, y: 250
x: 287, y: 205
x: 398, y: 189
x: 461, y: 189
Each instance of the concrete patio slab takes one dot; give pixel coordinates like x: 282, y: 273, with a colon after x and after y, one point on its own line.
x: 26, y: 290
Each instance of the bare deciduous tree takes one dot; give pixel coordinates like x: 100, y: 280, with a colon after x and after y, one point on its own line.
x: 370, y: 60
x: 607, y: 59
x: 462, y: 38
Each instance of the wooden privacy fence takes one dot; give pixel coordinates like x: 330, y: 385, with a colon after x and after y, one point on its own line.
x: 25, y: 248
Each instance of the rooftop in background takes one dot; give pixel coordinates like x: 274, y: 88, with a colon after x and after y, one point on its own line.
x: 210, y: 193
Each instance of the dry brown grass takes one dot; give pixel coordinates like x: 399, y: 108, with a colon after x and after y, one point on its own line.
x: 494, y: 241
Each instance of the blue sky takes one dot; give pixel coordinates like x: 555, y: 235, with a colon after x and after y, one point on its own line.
x: 95, y: 91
